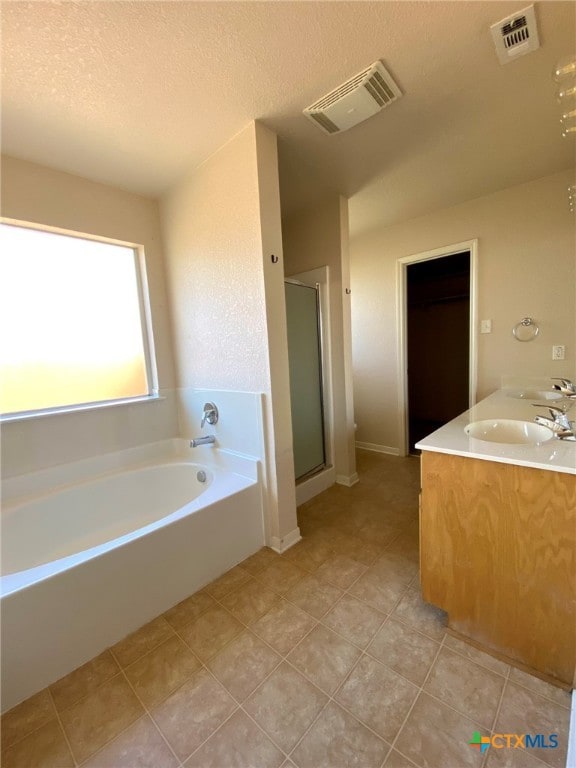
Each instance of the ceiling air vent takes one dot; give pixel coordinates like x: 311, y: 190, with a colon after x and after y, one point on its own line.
x: 515, y: 35
x: 357, y: 99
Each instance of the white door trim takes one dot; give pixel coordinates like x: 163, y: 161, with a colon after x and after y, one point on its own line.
x: 401, y: 325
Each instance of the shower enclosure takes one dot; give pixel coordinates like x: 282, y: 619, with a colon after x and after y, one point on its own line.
x: 306, y: 388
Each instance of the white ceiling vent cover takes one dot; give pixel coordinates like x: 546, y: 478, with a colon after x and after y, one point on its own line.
x: 356, y: 100
x: 515, y: 35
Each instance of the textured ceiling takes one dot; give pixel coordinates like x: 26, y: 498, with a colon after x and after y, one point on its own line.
x: 134, y: 94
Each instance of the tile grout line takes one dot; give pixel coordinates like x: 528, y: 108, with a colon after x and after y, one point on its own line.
x: 537, y: 693
x: 391, y: 615
x: 238, y: 707
x: 215, y: 731
x: 236, y: 701
x: 284, y: 658
x: 345, y: 592
x: 78, y: 701
x: 507, y: 682
x: 500, y: 700
x: 440, y: 701
x: 144, y: 714
x: 149, y: 714
x: 332, y: 700
x: 331, y: 697
x: 479, y: 663
x: 122, y: 671
x: 421, y: 690
x: 207, y: 669
x: 157, y: 645
x: 362, y: 652
x: 110, y: 741
x: 363, y: 649
x: 35, y: 729
x: 61, y: 724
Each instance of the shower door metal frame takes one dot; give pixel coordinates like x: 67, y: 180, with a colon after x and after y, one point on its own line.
x: 320, y: 337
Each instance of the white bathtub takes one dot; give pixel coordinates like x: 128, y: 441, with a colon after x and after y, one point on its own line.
x: 85, y: 563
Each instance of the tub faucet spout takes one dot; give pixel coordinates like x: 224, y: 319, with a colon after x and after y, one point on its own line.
x: 206, y: 440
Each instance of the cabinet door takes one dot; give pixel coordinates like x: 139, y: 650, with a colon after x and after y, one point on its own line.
x: 498, y: 553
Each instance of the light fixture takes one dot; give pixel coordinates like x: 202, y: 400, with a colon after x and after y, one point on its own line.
x: 565, y: 75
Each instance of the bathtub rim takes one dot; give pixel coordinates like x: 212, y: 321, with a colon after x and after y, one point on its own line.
x: 24, y: 487
x: 27, y: 578
x: 31, y: 498
x: 241, y: 472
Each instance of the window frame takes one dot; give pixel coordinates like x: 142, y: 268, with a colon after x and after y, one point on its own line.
x: 142, y: 287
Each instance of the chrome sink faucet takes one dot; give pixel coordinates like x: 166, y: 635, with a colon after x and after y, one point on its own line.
x: 566, y: 387
x: 558, y: 422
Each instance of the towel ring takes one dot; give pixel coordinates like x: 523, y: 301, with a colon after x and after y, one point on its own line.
x: 525, y: 330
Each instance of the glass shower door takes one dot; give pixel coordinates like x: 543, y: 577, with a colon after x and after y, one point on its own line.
x: 305, y: 360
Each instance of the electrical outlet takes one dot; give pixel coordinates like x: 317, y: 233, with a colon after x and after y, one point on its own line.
x: 558, y: 351
x: 485, y: 326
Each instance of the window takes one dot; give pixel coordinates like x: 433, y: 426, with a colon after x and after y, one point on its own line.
x: 73, y: 321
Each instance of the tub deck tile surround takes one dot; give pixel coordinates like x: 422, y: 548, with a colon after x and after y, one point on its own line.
x: 323, y: 656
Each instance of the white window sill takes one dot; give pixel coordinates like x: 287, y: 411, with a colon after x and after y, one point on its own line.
x: 26, y: 415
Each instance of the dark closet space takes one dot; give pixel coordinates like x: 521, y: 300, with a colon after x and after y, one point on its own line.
x: 438, y: 348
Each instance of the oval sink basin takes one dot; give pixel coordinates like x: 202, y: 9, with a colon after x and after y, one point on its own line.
x: 509, y: 431
x: 535, y: 394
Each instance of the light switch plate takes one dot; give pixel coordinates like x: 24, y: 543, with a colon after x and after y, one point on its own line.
x: 558, y: 352
x: 485, y: 326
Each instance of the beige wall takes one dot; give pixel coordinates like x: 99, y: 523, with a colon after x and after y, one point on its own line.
x: 220, y: 226
x: 315, y: 237
x: 279, y: 448
x: 526, y: 267
x: 211, y: 229
x: 41, y: 195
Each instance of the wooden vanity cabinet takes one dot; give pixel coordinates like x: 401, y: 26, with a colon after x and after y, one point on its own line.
x: 498, y: 553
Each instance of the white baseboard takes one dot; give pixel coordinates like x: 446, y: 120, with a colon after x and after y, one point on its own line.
x: 347, y: 480
x: 315, y: 485
x: 281, y: 545
x: 378, y: 448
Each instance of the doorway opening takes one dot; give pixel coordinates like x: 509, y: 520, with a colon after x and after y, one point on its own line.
x: 437, y: 345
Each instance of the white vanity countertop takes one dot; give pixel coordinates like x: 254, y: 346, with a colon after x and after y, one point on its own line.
x: 556, y: 455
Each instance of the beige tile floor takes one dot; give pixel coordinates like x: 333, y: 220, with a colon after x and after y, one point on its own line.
x: 325, y: 656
